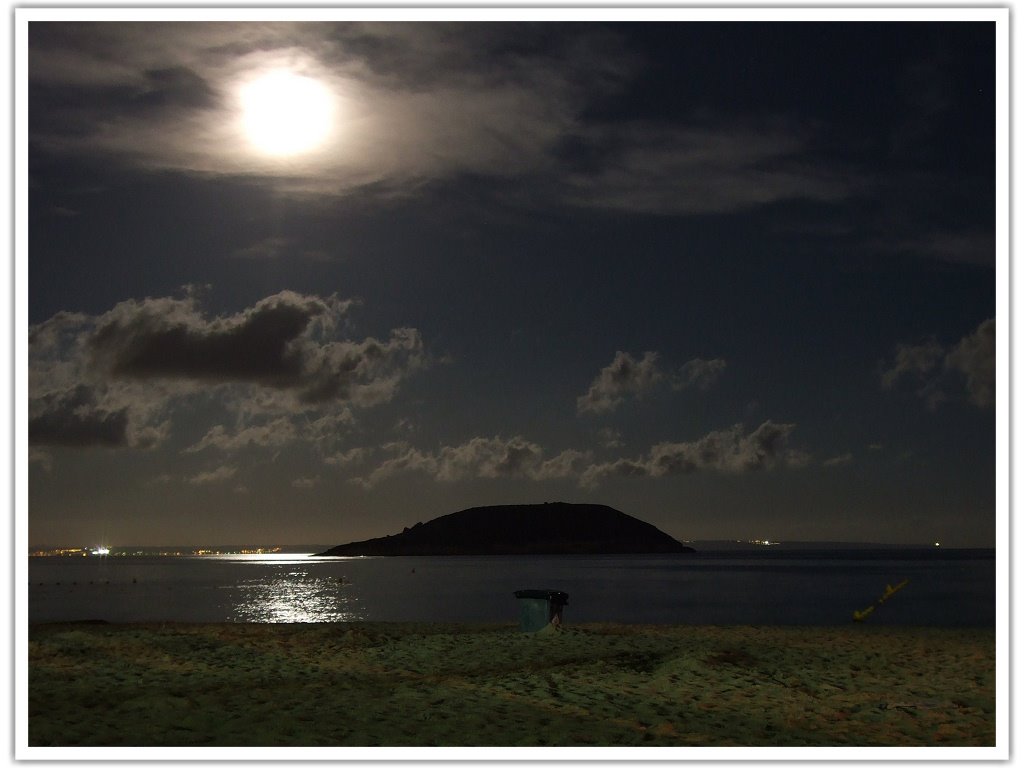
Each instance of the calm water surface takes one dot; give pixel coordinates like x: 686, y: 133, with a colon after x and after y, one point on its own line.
x: 946, y: 588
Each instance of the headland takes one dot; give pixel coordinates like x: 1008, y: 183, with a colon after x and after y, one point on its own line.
x: 522, y: 529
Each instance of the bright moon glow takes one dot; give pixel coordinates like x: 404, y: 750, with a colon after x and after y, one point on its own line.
x: 286, y: 114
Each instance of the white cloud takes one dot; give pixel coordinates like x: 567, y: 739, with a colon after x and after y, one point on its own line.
x: 975, y: 357
x: 838, y: 461
x: 43, y: 459
x: 218, y: 475
x: 625, y: 376
x: 349, y: 457
x: 479, y: 457
x: 701, y: 169
x: 565, y: 464
x: 273, y: 434
x: 968, y: 247
x: 728, y: 451
x: 699, y: 373
x: 609, y: 438
x: 273, y: 248
x: 912, y: 360
x: 268, y: 248
x: 942, y: 373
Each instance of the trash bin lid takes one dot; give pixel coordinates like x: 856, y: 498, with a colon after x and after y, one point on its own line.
x: 543, y: 594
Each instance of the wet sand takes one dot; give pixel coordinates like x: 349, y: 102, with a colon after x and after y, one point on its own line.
x: 489, y: 685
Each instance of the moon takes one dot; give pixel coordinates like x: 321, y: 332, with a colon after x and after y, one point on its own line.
x: 285, y: 114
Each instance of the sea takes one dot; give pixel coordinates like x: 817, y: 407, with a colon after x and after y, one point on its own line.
x: 760, y: 586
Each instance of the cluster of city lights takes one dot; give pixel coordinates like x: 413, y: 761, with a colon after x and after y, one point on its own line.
x: 257, y: 551
x: 103, y: 551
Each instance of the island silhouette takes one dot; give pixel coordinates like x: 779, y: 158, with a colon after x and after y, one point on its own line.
x: 555, y: 528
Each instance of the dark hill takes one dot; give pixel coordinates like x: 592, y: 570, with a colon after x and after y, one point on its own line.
x: 522, y: 529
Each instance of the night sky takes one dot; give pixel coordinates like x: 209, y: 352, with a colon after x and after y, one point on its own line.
x: 314, y: 282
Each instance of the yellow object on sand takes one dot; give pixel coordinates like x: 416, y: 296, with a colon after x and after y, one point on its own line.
x: 890, y: 590
x: 861, y: 615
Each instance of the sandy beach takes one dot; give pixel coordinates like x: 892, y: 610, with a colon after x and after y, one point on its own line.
x: 490, y: 685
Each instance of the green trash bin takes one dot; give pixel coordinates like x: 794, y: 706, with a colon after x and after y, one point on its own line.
x: 540, y: 607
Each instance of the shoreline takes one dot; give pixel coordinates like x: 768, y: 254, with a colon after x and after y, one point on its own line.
x: 444, y: 684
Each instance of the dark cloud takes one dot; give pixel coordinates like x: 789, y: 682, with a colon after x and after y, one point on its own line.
x: 279, y: 366
x: 175, y: 87
x: 74, y: 418
x: 83, y: 89
x: 69, y: 406
x: 282, y: 342
x: 168, y: 338
x: 729, y: 451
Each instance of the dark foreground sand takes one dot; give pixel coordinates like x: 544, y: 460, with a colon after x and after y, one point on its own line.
x: 486, y: 685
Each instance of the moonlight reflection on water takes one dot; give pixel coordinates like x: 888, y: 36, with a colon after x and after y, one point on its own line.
x: 294, y: 597
x: 293, y: 594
